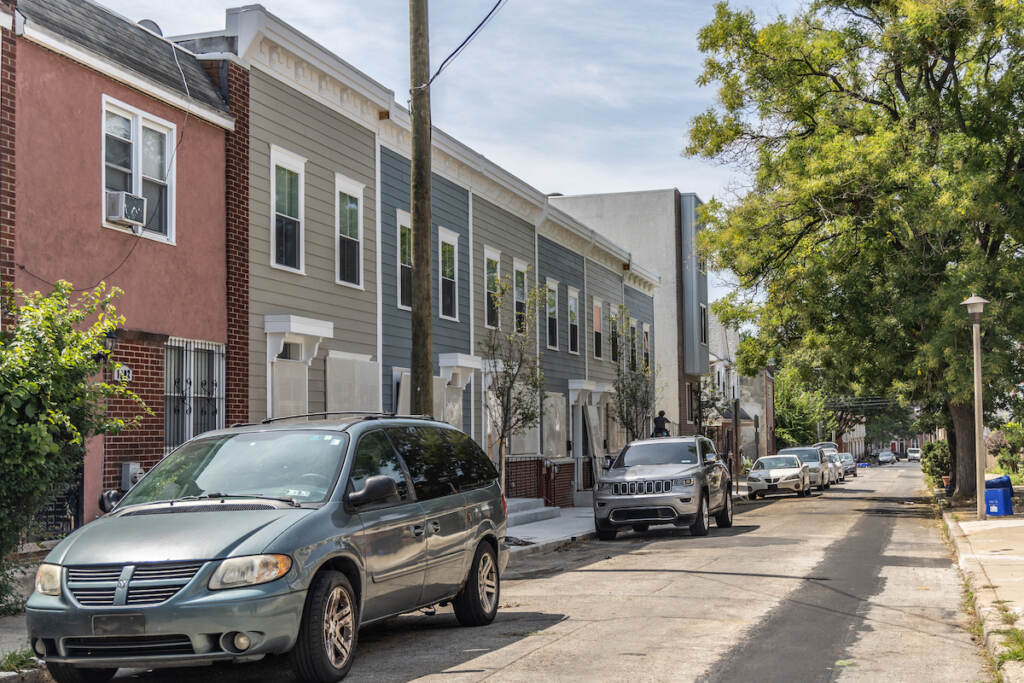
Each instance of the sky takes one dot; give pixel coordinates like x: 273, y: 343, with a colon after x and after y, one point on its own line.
x: 572, y: 96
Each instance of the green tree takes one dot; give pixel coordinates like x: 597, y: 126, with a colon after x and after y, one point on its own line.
x: 515, y: 380
x: 885, y: 147
x: 50, y: 402
x: 633, y: 389
x: 799, y: 410
x: 709, y: 401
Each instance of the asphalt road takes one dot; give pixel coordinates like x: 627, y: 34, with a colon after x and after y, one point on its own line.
x: 853, y: 584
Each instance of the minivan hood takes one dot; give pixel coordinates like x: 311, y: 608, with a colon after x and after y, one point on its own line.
x: 174, y: 537
x: 637, y: 472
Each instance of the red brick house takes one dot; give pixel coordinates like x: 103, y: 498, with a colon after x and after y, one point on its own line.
x: 99, y: 114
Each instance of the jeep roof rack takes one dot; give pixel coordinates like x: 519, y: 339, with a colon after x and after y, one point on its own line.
x: 366, y: 415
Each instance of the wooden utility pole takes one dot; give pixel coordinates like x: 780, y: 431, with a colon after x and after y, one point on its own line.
x: 422, y: 399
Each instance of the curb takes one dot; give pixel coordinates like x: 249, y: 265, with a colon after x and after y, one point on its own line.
x: 40, y: 675
x: 986, y: 600
x: 520, y: 551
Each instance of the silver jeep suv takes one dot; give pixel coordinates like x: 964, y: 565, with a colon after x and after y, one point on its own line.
x: 678, y: 480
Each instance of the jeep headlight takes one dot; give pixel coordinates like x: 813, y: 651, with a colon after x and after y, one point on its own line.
x: 48, y: 579
x: 685, y: 483
x: 249, y: 571
x: 604, y: 486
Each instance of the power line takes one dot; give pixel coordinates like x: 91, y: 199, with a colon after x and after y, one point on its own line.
x: 462, y: 46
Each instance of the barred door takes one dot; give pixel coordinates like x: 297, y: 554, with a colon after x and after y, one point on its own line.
x: 193, y: 390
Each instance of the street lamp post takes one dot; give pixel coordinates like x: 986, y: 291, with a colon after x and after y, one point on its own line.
x: 975, y: 305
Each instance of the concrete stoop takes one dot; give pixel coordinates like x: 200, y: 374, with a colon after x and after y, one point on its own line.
x: 986, y: 599
x: 526, y: 510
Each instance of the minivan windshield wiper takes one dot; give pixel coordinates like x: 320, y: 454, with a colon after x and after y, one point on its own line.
x: 218, y: 494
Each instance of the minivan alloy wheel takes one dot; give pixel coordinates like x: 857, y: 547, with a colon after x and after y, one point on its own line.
x: 339, y: 626
x: 487, y: 583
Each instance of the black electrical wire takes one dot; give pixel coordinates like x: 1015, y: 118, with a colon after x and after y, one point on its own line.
x: 462, y: 46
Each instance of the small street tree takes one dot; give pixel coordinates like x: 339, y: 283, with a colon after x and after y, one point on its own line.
x: 50, y: 402
x: 509, y: 349
x: 633, y: 391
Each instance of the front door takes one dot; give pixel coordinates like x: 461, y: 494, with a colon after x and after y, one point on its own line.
x: 393, y: 540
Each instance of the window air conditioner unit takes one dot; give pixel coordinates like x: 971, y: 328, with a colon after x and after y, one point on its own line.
x: 125, y: 208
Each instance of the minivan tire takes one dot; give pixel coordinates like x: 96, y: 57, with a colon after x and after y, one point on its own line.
x: 700, y: 525
x: 65, y: 673
x: 723, y: 519
x: 469, y: 604
x: 309, y: 658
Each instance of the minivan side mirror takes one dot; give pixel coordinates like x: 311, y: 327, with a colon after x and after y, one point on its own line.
x: 375, y: 489
x: 108, y: 499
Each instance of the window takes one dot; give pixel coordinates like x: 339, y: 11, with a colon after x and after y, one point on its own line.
x: 520, y: 294
x: 375, y: 456
x: 632, y: 345
x: 474, y: 469
x: 703, y: 324
x: 138, y: 158
x: 492, y: 277
x: 428, y: 457
x: 691, y: 391
x: 448, y: 253
x: 647, y: 345
x: 574, y: 320
x: 404, y: 260
x: 193, y: 390
x: 552, y: 313
x: 613, y: 326
x: 287, y: 187
x: 348, y: 217
x: 597, y: 315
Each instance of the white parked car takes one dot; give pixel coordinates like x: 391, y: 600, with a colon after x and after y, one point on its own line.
x: 835, y: 464
x: 913, y: 454
x: 779, y: 474
x: 817, y: 468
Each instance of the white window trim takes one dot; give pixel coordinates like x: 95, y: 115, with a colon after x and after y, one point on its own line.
x: 293, y: 162
x: 493, y: 255
x: 573, y: 293
x: 703, y: 324
x: 597, y: 303
x: 548, y: 285
x: 353, y: 188
x: 446, y: 236
x: 138, y: 117
x: 402, y: 219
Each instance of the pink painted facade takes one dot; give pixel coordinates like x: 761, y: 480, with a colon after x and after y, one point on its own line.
x: 170, y: 290
x: 177, y: 290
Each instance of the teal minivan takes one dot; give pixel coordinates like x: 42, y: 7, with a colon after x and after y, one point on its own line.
x: 282, y: 537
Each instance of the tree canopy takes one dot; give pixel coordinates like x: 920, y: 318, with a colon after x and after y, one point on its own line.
x: 885, y: 151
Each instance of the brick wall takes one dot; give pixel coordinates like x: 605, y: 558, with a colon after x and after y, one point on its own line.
x: 144, y: 444
x: 524, y: 478
x: 7, y: 159
x: 562, y: 484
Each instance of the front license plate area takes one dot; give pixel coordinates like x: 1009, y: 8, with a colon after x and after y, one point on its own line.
x: 773, y: 487
x: 119, y: 625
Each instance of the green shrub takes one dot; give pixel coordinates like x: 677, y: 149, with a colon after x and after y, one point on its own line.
x: 1008, y: 461
x: 935, y: 460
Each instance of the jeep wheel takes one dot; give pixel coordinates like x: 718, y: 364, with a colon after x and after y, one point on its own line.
x: 605, y: 532
x: 723, y: 520
x: 477, y: 602
x: 701, y: 524
x: 65, y: 673
x: 325, y: 648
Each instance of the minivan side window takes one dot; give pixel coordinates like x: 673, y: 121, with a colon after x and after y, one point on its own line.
x: 374, y: 455
x: 429, y: 459
x: 474, y: 469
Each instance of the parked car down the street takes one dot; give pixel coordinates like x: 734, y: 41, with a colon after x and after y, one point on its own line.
x: 838, y: 471
x: 886, y: 458
x: 913, y: 454
x: 668, y: 480
x: 779, y: 474
x: 281, y: 538
x: 815, y: 461
x: 849, y: 464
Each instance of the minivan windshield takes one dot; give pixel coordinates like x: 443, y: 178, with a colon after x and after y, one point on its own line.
x: 298, y: 464
x: 777, y: 462
x: 660, y: 453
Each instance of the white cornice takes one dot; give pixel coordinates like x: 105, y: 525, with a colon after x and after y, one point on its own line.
x: 55, y: 43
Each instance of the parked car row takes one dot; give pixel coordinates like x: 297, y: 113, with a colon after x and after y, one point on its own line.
x: 798, y: 469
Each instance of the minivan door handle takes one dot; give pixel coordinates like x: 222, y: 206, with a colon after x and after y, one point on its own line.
x: 435, y: 526
x: 417, y: 529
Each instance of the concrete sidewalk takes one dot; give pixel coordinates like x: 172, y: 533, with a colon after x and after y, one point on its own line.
x: 991, y: 556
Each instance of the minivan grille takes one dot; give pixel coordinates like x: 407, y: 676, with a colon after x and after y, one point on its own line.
x: 128, y: 646
x: 634, y: 488
x: 149, y: 584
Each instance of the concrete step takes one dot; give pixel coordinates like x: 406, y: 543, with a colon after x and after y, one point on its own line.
x: 532, y: 515
x: 523, y: 504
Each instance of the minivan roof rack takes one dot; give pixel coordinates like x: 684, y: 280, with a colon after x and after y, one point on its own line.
x: 366, y: 415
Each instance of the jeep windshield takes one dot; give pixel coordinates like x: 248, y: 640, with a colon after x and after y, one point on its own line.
x: 299, y: 465
x: 661, y: 453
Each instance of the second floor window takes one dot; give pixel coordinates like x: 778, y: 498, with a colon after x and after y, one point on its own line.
x: 350, y: 231
x: 492, y: 275
x: 613, y: 327
x: 552, y: 312
x: 405, y: 265
x: 449, y: 274
x: 647, y: 346
x: 138, y: 159
x: 287, y: 185
x: 632, y: 346
x: 597, y: 329
x: 703, y: 324
x: 574, y: 321
x: 520, y: 297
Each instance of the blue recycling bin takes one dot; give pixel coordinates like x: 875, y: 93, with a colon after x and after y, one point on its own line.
x: 1001, y: 482
x: 999, y: 502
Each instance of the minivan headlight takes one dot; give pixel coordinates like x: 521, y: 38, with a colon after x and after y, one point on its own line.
x: 682, y: 483
x: 48, y: 579
x: 249, y: 571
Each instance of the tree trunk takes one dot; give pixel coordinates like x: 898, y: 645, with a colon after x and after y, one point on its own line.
x: 964, y: 463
